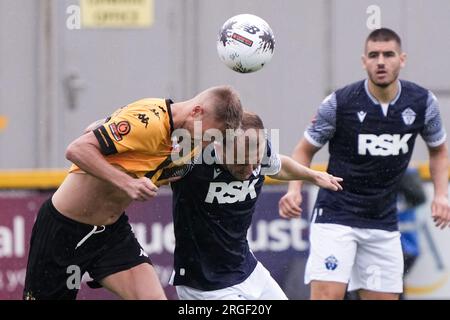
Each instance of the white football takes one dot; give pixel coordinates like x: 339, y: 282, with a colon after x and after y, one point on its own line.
x: 246, y: 43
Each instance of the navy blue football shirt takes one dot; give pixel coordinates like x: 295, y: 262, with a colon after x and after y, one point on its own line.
x: 370, y: 146
x: 212, y: 212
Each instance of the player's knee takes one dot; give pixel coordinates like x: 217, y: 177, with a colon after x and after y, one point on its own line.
x: 327, y: 295
x: 327, y: 291
x: 148, y: 295
x: 373, y: 295
x: 136, y: 292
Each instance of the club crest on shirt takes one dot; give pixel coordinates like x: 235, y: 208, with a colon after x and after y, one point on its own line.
x: 409, y: 116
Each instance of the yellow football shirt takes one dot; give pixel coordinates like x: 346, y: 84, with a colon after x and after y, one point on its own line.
x: 138, y: 138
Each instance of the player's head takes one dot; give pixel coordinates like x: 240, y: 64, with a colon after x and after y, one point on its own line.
x: 248, y: 147
x: 217, y: 108
x: 383, y: 57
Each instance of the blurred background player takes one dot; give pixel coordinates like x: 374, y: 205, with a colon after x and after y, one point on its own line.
x: 411, y: 194
x: 371, y: 127
x: 213, y: 207
x: 84, y: 224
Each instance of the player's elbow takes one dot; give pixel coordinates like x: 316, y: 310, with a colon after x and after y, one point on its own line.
x: 73, y: 151
x: 83, y: 148
x: 440, y: 151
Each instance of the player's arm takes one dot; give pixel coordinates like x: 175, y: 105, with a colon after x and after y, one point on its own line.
x: 435, y: 136
x: 292, y: 170
x: 121, y: 132
x: 86, y: 154
x: 303, y: 154
x: 439, y: 175
x: 317, y: 134
x: 289, y: 204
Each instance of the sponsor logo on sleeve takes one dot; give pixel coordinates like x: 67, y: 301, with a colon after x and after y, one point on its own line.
x: 120, y: 129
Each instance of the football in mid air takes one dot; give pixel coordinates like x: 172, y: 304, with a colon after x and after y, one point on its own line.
x: 245, y: 43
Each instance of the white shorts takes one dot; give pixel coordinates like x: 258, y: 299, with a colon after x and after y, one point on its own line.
x: 368, y: 259
x: 258, y: 286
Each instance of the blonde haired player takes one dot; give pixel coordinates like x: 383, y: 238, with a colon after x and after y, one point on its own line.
x: 84, y: 224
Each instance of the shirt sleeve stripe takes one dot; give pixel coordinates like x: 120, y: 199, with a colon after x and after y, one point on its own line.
x: 438, y: 142
x: 311, y: 140
x: 107, y: 146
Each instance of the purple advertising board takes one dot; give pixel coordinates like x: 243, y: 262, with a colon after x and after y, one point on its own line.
x: 281, y: 245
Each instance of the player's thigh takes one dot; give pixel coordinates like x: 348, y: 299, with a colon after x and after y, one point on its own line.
x: 373, y: 295
x: 138, y: 283
x: 54, y: 266
x: 378, y: 263
x: 332, y: 253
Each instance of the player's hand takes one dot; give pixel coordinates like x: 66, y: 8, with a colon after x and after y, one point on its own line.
x: 141, y: 189
x: 289, y: 205
x: 440, y: 211
x: 327, y: 181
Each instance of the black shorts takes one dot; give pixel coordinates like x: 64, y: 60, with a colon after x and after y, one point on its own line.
x: 61, y: 249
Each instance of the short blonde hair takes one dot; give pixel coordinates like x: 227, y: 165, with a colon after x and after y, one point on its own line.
x: 226, y: 106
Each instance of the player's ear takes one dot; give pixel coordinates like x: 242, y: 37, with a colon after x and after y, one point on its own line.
x: 363, y: 60
x: 403, y: 59
x: 197, y: 111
